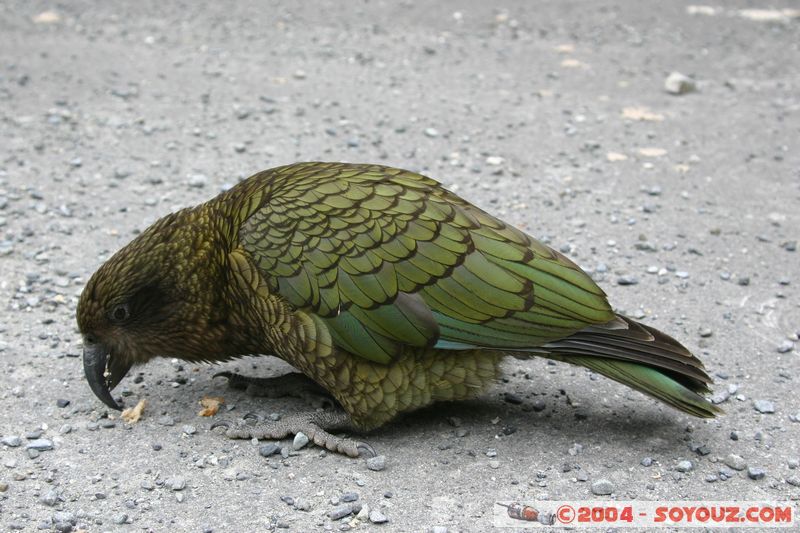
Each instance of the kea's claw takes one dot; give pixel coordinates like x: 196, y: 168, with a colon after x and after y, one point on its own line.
x: 227, y: 423
x: 220, y: 424
x: 363, y: 446
x: 235, y: 381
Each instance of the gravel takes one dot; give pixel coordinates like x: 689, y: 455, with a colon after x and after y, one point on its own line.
x: 111, y: 118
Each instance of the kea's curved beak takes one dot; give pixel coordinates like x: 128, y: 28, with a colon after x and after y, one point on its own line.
x: 103, y: 372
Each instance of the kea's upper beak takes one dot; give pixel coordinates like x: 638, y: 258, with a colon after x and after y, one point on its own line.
x: 103, y: 372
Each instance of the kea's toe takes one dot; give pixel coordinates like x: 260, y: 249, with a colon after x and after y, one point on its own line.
x: 293, y: 384
x: 316, y: 425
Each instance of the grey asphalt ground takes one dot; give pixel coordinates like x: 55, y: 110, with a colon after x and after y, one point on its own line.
x: 552, y: 115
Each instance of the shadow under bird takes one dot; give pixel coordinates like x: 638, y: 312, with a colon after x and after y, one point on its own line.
x: 386, y: 290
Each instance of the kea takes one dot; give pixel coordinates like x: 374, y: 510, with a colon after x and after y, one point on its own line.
x: 385, y: 290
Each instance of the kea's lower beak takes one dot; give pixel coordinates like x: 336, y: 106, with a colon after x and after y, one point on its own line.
x: 103, y: 372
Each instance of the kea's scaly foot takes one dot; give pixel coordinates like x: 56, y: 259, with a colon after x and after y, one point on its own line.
x: 293, y: 384
x: 315, y: 424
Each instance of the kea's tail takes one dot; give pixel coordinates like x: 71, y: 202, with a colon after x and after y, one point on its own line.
x: 642, y: 358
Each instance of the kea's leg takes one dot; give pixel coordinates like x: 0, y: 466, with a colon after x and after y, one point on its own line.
x: 293, y: 384
x: 315, y: 424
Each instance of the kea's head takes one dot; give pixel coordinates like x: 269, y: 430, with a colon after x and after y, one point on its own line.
x: 157, y: 296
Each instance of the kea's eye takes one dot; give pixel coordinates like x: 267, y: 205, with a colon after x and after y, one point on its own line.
x: 120, y: 313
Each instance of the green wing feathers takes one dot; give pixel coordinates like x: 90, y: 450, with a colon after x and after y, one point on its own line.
x: 389, y: 259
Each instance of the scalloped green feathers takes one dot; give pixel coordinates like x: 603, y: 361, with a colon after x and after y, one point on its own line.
x: 389, y: 259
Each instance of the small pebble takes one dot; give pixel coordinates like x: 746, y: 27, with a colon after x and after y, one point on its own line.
x: 699, y: 449
x: 377, y: 463
x: 265, y: 450
x: 62, y: 403
x: 756, y: 473
x: 50, y: 498
x: 602, y: 487
x: 377, y: 517
x: 647, y: 461
x: 40, y: 445
x: 627, y: 280
x: 684, y: 466
x: 12, y: 441
x: 300, y: 441
x: 348, y: 497
x: 512, y: 398
x: 198, y: 181
x: 786, y: 346
x: 678, y: 84
x: 64, y: 521
x: 302, y: 505
x: 764, y: 406
x: 176, y: 483
x: 341, y: 511
x: 736, y: 462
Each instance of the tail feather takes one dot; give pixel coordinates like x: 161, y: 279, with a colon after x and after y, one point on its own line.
x: 642, y: 358
x: 650, y: 381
